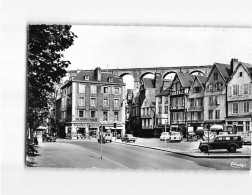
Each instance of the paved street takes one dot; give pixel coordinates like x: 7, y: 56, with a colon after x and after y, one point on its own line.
x: 87, y: 154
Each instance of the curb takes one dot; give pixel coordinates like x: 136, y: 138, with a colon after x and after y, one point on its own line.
x: 186, y: 154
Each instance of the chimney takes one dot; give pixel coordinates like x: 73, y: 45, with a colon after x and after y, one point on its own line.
x: 98, y: 73
x: 234, y: 63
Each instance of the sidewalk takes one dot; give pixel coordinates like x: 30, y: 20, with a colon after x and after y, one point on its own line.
x: 188, y: 148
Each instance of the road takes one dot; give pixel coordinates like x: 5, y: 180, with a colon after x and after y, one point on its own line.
x: 87, y: 154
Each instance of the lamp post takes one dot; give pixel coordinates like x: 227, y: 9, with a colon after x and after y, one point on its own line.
x: 101, y: 136
x: 165, y: 134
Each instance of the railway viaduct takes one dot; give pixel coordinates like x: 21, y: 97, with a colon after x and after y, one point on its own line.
x: 139, y: 73
x: 162, y: 72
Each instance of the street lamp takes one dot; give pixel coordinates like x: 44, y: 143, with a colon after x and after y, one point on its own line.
x: 165, y: 134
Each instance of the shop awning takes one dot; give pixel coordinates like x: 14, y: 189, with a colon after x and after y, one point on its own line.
x: 216, y: 127
x: 113, y: 128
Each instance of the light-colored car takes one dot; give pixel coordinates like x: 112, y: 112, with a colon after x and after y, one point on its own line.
x: 164, y: 136
x: 128, y: 138
x: 175, y: 136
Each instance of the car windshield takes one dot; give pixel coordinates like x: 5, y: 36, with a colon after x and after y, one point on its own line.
x: 164, y: 133
x: 175, y: 133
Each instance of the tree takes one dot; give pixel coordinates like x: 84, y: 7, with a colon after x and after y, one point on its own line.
x: 45, y: 67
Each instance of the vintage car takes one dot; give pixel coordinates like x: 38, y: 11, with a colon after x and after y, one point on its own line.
x: 107, y: 137
x: 128, y: 138
x: 164, y: 136
x: 229, y: 142
x: 175, y: 136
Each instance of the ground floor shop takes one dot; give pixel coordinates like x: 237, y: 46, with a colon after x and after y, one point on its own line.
x: 82, y: 130
x: 240, y: 125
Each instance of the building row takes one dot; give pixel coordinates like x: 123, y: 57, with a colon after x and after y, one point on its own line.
x: 191, y: 102
x: 90, y: 100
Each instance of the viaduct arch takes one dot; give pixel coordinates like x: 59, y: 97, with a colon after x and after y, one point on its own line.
x: 138, y: 73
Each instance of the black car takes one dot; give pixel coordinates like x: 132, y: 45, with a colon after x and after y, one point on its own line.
x: 228, y: 142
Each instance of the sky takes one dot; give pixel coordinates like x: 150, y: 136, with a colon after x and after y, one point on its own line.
x: 152, y: 46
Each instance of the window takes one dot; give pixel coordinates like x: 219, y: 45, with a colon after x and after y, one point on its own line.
x: 86, y: 77
x: 217, y: 114
x: 81, y: 88
x: 105, y: 89
x: 93, y: 113
x: 81, y: 101
x: 196, y: 90
x: 93, y: 89
x: 159, y: 110
x: 116, y: 102
x: 105, y: 102
x: 110, y: 79
x: 166, y: 99
x: 216, y: 76
x: 246, y: 107
x: 145, y: 103
x: 93, y: 102
x: 105, y: 116
x: 246, y: 88
x: 116, y: 116
x: 81, y: 113
x: 210, y: 114
x: 192, y: 102
x: 247, y: 126
x: 235, y: 90
x: 235, y: 107
x: 240, y: 74
x: 199, y: 116
x: 116, y: 90
x: 166, y: 109
x: 160, y: 100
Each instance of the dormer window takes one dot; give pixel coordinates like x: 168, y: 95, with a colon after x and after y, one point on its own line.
x: 110, y: 79
x: 86, y: 77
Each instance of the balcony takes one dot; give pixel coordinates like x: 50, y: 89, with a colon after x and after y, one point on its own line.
x: 147, y: 127
x: 196, y: 108
x: 179, y: 92
x: 146, y: 116
x: 195, y: 121
x: 177, y: 107
x: 177, y: 121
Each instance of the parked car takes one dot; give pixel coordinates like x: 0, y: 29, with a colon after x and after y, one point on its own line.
x: 210, y: 134
x: 107, y: 137
x: 164, y: 136
x: 128, y: 138
x: 229, y: 142
x: 175, y: 136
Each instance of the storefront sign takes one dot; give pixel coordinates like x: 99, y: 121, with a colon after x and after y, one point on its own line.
x: 80, y: 125
x: 87, y: 119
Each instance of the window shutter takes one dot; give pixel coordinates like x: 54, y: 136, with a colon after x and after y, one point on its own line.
x: 230, y: 90
x: 249, y: 90
x: 120, y: 90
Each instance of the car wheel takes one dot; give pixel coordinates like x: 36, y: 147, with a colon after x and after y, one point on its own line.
x: 110, y: 141
x: 204, y: 149
x: 232, y: 148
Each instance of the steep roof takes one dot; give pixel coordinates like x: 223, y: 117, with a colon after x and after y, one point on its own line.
x: 202, y: 80
x: 225, y: 70
x: 163, y: 93
x: 185, y: 79
x: 92, y: 77
x: 148, y: 83
x: 248, y: 67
